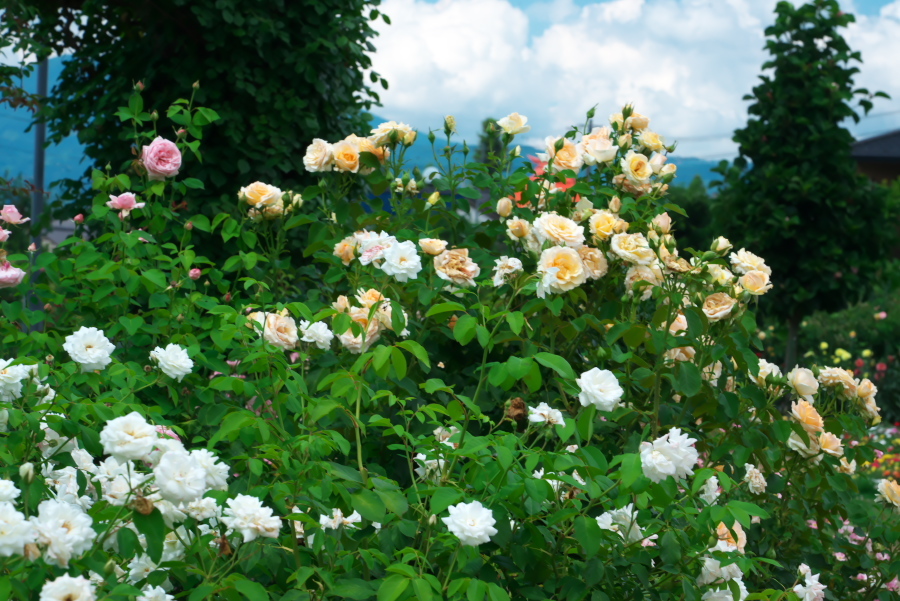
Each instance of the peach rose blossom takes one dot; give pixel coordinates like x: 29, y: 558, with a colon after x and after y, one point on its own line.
x: 319, y: 156
x: 718, y: 306
x: 455, y: 266
x: 561, y: 269
x: 432, y: 246
x: 808, y: 417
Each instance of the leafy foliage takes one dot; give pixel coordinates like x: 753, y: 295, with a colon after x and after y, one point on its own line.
x: 794, y: 193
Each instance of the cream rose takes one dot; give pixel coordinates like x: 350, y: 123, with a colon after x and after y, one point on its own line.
x: 633, y: 248
x: 561, y: 270
x: 557, y: 229
x: 514, y: 123
x: 504, y: 207
x: 456, y: 266
x: 602, y: 224
x: 345, y: 250
x: 651, y: 274
x: 662, y: 223
x: 346, y: 156
x: 836, y: 377
x: 567, y: 157
x: 720, y: 275
x: 831, y: 444
x: 637, y: 121
x: 866, y: 390
x: 721, y: 245
x: 651, y: 141
x: 803, y: 382
x: 636, y: 167
x: 432, y: 246
x: 381, y: 135
x: 517, y: 228
x: 718, y: 306
x: 595, y: 264
x: 755, y: 282
x: 807, y: 416
x: 319, y: 156
x: 260, y: 195
x: 744, y: 262
x: 597, y: 147
x: 278, y: 328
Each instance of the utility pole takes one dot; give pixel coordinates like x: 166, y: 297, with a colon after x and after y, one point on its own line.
x: 37, y: 196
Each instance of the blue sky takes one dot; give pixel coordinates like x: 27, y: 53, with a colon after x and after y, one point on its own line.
x: 685, y: 63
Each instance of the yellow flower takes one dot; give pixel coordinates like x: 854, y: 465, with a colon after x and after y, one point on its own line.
x: 823, y: 346
x: 867, y: 353
x: 842, y: 354
x: 853, y: 334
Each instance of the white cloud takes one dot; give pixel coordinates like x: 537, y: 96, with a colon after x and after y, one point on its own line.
x: 685, y: 63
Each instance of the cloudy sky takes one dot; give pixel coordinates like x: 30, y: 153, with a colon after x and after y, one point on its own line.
x: 685, y: 63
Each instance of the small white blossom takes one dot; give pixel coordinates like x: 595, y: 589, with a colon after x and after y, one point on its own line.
x: 754, y: 479
x: 672, y: 454
x: 543, y: 413
x: 12, y: 378
x: 710, y: 490
x: 128, y: 437
x: 64, y: 530
x: 505, y: 267
x: 599, y: 387
x: 622, y: 521
x: 173, y: 361
x: 402, y: 261
x: 90, y: 348
x: 251, y: 518
x: 317, y: 333
x: 8, y: 491
x: 154, y: 593
x: 337, y: 520
x: 15, y: 531
x: 68, y: 588
x: 472, y: 523
x: 180, y: 477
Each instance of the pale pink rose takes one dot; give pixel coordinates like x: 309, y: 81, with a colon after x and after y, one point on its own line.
x: 4, y: 235
x: 10, y: 276
x: 893, y: 585
x: 162, y: 159
x: 125, y: 203
x: 194, y: 274
x: 10, y: 214
x: 79, y: 218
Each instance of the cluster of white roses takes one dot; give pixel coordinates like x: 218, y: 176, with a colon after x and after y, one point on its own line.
x: 397, y: 259
x: 344, y: 156
x: 268, y: 202
x: 373, y: 315
x: 92, y: 350
x: 147, y: 467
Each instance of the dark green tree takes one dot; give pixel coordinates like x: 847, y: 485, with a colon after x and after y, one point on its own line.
x: 794, y: 195
x: 489, y: 142
x: 279, y: 73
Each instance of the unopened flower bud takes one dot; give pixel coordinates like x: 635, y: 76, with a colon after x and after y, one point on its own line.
x: 410, y: 138
x: 434, y: 198
x: 26, y: 472
x: 189, y: 225
x: 662, y: 223
x: 139, y: 86
x: 48, y: 307
x: 559, y: 144
x: 517, y: 152
x: 432, y: 519
x: 154, y: 115
x: 110, y: 566
x: 32, y: 247
x: 148, y: 368
x: 181, y: 133
x: 721, y: 245
x: 79, y: 218
x: 624, y: 141
x: 504, y: 207
x: 615, y: 204
x: 227, y: 297
x: 452, y: 323
x: 431, y: 137
x: 196, y: 85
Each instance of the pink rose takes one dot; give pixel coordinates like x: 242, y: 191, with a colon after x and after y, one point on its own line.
x: 125, y: 203
x: 10, y: 276
x: 4, y: 235
x: 10, y: 214
x: 79, y: 218
x: 162, y: 159
x: 194, y: 274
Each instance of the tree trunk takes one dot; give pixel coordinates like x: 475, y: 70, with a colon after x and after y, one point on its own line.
x: 790, y: 354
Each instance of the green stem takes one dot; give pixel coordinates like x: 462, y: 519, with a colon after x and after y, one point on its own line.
x: 450, y: 568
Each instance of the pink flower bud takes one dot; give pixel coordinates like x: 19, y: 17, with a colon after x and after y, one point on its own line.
x: 227, y: 297
x: 79, y: 218
x: 194, y: 274
x: 189, y: 225
x: 32, y: 247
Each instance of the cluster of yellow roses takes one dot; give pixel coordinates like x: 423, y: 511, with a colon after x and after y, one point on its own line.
x: 321, y: 156
x: 268, y: 202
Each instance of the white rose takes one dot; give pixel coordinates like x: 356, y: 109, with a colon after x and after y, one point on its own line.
x: 472, y: 523
x: 317, y: 333
x: 803, y: 382
x: 558, y: 230
x: 514, y: 124
x: 402, y: 261
x: 247, y: 515
x: 180, y: 477
x: 89, y: 348
x: 319, y: 156
x: 600, y: 388
x: 128, y: 437
x: 173, y: 361
x: 636, y: 167
x: 633, y: 248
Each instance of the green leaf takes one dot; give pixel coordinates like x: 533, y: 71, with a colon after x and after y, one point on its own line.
x: 670, y: 549
x: 464, y: 330
x: 253, y: 591
x: 423, y: 590
x: 153, y: 527
x: 201, y: 592
x: 131, y: 324
x: 156, y: 278
x: 443, y: 498
x: 369, y: 505
x: 444, y: 308
x: 587, y: 533
x: 392, y: 587
x: 557, y: 364
x: 418, y: 351
x: 515, y: 320
x: 689, y: 380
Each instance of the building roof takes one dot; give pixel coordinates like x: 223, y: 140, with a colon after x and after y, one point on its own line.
x: 885, y: 147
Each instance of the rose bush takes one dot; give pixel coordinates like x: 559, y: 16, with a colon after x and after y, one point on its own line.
x: 551, y: 402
